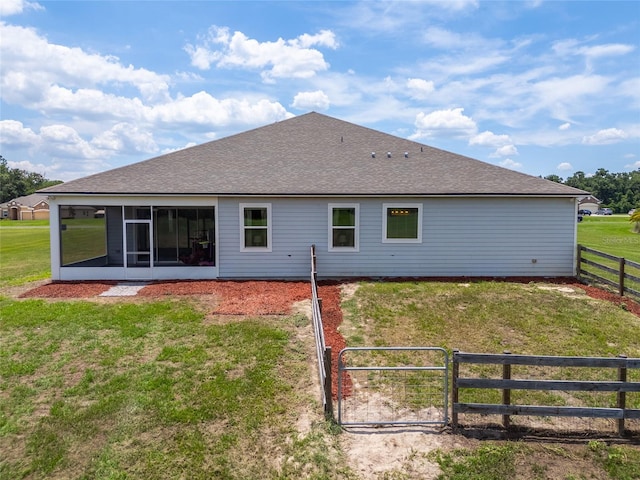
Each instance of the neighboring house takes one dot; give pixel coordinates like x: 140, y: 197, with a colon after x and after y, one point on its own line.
x: 252, y: 204
x: 589, y: 203
x: 29, y: 207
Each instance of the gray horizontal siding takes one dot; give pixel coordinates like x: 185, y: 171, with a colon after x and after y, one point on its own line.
x: 461, y: 237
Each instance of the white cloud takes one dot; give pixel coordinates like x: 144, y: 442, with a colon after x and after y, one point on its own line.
x: 560, y: 94
x: 325, y: 38
x: 505, y: 151
x: 564, y: 166
x: 502, y: 143
x: 28, y: 166
x: 508, y: 163
x: 280, y: 59
x: 574, y: 47
x: 32, y: 66
x: 604, y: 137
x: 419, y: 88
x: 565, y: 126
x: 14, y: 7
x: 449, y: 40
x: 490, y: 139
x: 450, y: 122
x: 202, y: 109
x: 64, y: 141
x: 125, y: 138
x: 14, y: 133
x: 317, y: 100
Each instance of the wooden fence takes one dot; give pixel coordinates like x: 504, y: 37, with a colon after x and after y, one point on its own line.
x: 618, y: 270
x: 323, y: 353
x: 622, y: 386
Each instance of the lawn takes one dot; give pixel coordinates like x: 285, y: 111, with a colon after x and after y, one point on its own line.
x: 613, y: 234
x: 24, y: 251
x: 616, y: 236
x: 154, y: 390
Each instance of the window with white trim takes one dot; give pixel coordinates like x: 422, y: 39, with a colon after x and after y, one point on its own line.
x: 255, y: 227
x: 402, y: 223
x: 344, y: 227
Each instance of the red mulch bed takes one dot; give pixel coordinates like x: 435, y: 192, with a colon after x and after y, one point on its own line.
x: 600, y: 294
x: 69, y: 290
x: 331, y: 320
x: 238, y: 298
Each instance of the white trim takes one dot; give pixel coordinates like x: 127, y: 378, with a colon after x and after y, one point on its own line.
x: 356, y: 227
x: 385, y: 207
x: 243, y: 247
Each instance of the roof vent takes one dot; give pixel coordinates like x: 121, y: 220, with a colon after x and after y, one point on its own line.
x: 406, y: 154
x: 388, y: 154
x: 373, y: 154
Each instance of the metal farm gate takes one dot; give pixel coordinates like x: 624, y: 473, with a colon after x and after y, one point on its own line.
x: 393, y: 386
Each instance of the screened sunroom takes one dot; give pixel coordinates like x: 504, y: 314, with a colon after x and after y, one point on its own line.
x: 136, y: 241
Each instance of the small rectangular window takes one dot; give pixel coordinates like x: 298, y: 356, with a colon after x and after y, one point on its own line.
x: 402, y: 223
x: 255, y: 222
x: 343, y: 227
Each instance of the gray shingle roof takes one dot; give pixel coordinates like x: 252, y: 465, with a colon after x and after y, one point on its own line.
x: 28, y: 200
x: 313, y: 154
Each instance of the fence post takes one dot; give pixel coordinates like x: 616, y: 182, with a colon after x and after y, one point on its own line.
x: 314, y: 263
x: 506, y: 393
x: 455, y: 372
x: 579, y: 262
x: 622, y: 396
x: 621, y: 277
x: 328, y: 408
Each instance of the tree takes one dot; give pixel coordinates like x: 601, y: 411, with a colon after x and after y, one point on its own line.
x: 554, y: 178
x: 18, y: 183
x: 635, y: 217
x: 618, y: 191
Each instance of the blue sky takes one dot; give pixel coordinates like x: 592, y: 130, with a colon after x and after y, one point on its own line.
x: 541, y: 87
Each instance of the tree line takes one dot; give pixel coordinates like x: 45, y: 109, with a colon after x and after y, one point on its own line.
x: 617, y: 191
x: 15, y: 182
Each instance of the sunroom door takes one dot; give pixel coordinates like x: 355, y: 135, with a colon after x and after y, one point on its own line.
x: 138, y: 248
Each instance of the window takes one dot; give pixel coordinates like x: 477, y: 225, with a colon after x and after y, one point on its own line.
x: 402, y: 223
x: 255, y: 221
x: 343, y: 227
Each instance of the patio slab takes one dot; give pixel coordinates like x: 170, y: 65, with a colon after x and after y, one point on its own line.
x: 129, y: 289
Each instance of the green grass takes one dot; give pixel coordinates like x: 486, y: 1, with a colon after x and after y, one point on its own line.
x: 491, y: 317
x: 24, y: 251
x: 611, y: 234
x: 149, y: 390
x: 616, y: 236
x: 502, y: 461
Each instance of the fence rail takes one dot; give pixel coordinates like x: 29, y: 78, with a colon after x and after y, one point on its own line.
x: 323, y: 353
x: 622, y: 386
x: 623, y: 278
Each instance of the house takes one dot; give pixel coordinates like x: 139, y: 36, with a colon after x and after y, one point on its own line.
x: 590, y: 203
x: 29, y: 207
x: 251, y: 205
